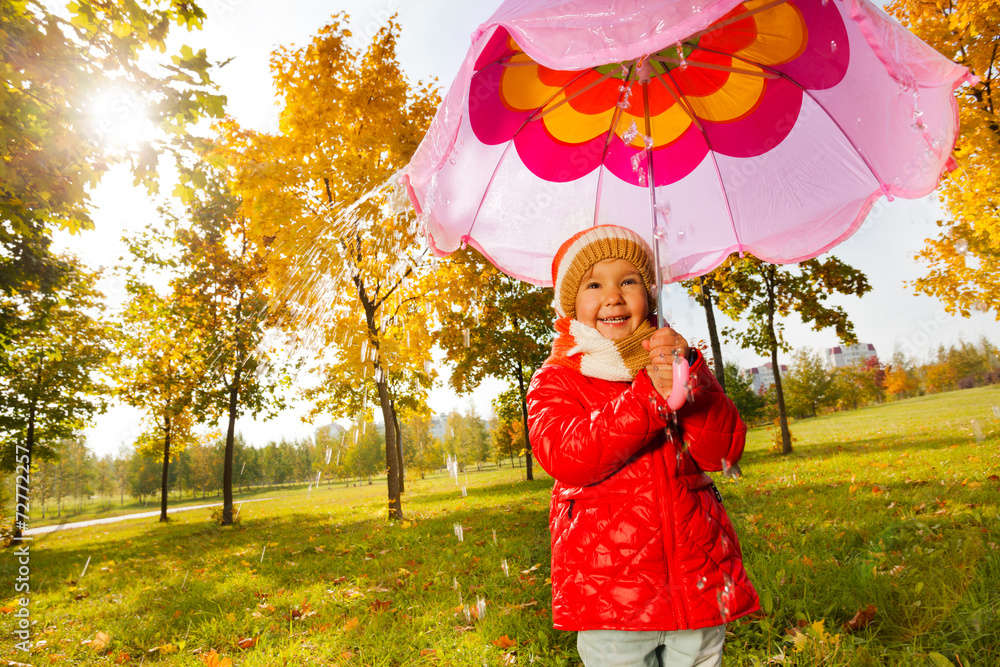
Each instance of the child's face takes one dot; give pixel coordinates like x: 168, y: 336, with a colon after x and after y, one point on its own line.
x: 612, y: 298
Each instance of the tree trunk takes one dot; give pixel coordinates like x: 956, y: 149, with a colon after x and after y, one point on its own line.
x: 22, y: 508
x: 391, y: 455
x: 399, y: 448
x: 166, y: 468
x: 227, y: 462
x: 786, y: 436
x: 713, y: 334
x: 524, y: 419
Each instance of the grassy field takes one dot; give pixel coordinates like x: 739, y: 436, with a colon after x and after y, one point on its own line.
x: 893, y: 509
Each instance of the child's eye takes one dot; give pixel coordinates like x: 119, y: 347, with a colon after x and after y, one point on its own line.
x: 593, y: 285
x: 629, y: 281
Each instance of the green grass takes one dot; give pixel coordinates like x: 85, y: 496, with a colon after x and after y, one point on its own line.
x: 891, y: 506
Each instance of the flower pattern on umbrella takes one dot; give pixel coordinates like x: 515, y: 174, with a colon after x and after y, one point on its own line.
x: 735, y: 88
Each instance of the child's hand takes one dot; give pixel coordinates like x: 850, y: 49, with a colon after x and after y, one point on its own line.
x: 661, y: 349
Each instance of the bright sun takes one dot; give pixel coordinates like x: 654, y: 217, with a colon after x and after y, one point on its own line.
x: 118, y: 119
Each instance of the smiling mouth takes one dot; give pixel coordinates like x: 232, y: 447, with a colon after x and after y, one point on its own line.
x: 614, y: 320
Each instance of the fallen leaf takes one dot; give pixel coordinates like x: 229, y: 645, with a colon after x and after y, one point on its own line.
x: 380, y: 605
x: 351, y: 623
x: 249, y: 642
x: 212, y: 659
x: 861, y: 619
x: 504, y: 642
x: 99, y: 642
x: 427, y: 651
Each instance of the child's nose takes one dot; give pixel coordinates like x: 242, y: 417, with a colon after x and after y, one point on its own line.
x: 614, y: 295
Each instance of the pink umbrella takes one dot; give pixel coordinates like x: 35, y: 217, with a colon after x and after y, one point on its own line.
x: 768, y: 127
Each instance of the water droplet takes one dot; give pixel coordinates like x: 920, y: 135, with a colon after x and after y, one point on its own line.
x: 961, y: 246
x: 648, y: 142
x: 982, y: 307
x: 494, y: 536
x: 663, y: 212
x: 727, y: 545
x: 626, y: 95
x: 826, y: 2
x: 504, y: 567
x: 631, y: 133
x: 427, y: 367
x: 681, y: 57
x: 637, y: 161
x: 977, y: 430
x: 464, y: 493
x: 833, y: 46
x: 468, y: 614
x: 659, y: 231
x: 364, y: 351
x: 702, y: 582
x: 481, y: 607
x: 465, y: 337
x: 459, y: 533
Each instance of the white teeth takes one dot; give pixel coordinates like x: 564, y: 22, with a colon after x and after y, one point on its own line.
x: 614, y: 320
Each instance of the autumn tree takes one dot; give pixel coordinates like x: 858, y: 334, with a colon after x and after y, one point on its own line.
x: 702, y: 293
x: 219, y: 276
x: 809, y: 384
x: 51, y: 373
x: 761, y: 293
x: 750, y: 404
x: 900, y: 380
x: 422, y: 449
x: 508, y: 426
x: 72, y: 75
x: 341, y: 252
x: 160, y: 366
x: 492, y: 325
x: 964, y: 260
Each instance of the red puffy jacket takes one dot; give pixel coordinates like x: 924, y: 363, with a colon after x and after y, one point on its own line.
x: 640, y: 540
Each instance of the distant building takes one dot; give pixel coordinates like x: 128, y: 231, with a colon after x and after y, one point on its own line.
x: 439, y: 426
x: 763, y: 376
x: 849, y: 355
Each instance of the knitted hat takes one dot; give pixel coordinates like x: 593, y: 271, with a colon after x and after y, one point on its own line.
x: 584, y: 249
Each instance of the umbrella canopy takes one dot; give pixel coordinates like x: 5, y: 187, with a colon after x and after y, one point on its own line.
x: 768, y: 126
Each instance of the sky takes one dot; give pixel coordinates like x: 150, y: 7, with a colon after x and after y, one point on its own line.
x: 435, y: 37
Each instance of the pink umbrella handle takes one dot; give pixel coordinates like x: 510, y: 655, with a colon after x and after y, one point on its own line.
x: 678, y: 394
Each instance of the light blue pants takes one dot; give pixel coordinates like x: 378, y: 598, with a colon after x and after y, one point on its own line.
x: 683, y: 648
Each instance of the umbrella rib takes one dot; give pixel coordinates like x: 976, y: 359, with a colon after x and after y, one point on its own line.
x: 722, y: 68
x: 682, y: 102
x: 506, y: 150
x: 718, y: 172
x: 607, y: 143
x: 734, y: 19
x: 808, y: 93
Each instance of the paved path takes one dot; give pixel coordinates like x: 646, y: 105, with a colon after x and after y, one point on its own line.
x: 125, y: 517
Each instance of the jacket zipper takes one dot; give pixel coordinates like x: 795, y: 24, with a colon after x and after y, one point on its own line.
x: 666, y: 508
